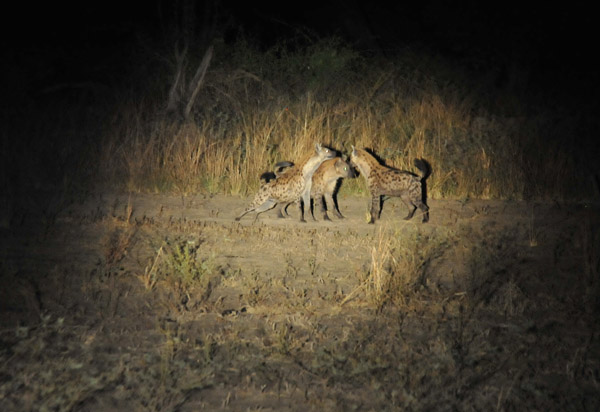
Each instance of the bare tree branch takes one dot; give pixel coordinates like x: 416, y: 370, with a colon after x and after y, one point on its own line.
x: 197, y: 81
x: 176, y: 88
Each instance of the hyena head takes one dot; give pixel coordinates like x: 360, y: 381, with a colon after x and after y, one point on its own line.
x: 363, y: 161
x: 343, y: 169
x: 324, y: 153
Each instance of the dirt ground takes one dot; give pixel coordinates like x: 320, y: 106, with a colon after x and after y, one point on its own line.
x: 156, y: 302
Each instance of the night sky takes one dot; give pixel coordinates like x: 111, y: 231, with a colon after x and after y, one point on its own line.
x: 555, y: 43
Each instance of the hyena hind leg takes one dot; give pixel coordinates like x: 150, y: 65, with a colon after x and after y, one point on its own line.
x: 412, y: 205
x: 268, y: 204
x: 425, y: 209
x: 237, y: 219
x: 411, y: 212
x: 282, y: 212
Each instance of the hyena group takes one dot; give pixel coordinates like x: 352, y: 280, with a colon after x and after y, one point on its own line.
x: 293, y: 186
x: 325, y: 184
x: 319, y: 175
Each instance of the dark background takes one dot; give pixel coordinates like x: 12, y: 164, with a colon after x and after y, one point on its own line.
x: 92, y: 40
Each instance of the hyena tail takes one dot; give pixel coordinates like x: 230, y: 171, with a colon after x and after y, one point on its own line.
x: 280, y: 167
x: 424, y: 167
x: 266, y: 177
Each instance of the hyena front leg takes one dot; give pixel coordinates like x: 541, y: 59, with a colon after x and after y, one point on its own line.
x: 301, y: 208
x: 333, y: 201
x: 304, y: 203
x: 375, y: 208
x: 322, y: 207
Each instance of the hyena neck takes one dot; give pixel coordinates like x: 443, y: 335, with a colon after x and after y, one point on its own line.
x: 310, y: 166
x: 364, y: 165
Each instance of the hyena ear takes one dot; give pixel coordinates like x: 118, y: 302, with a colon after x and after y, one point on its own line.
x: 318, y: 147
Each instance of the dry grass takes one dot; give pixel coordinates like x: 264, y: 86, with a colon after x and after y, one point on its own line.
x: 247, y: 122
x: 209, y: 159
x: 400, y: 264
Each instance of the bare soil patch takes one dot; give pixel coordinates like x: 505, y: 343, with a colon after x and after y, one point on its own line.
x: 156, y: 302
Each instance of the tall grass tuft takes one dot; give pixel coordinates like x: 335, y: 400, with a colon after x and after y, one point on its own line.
x: 400, y: 265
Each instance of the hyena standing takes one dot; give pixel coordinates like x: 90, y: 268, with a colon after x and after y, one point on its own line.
x: 383, y: 180
x: 324, y: 186
x: 293, y: 185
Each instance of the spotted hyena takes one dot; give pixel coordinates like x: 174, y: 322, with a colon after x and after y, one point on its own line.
x: 386, y: 181
x: 293, y: 185
x: 325, y: 184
